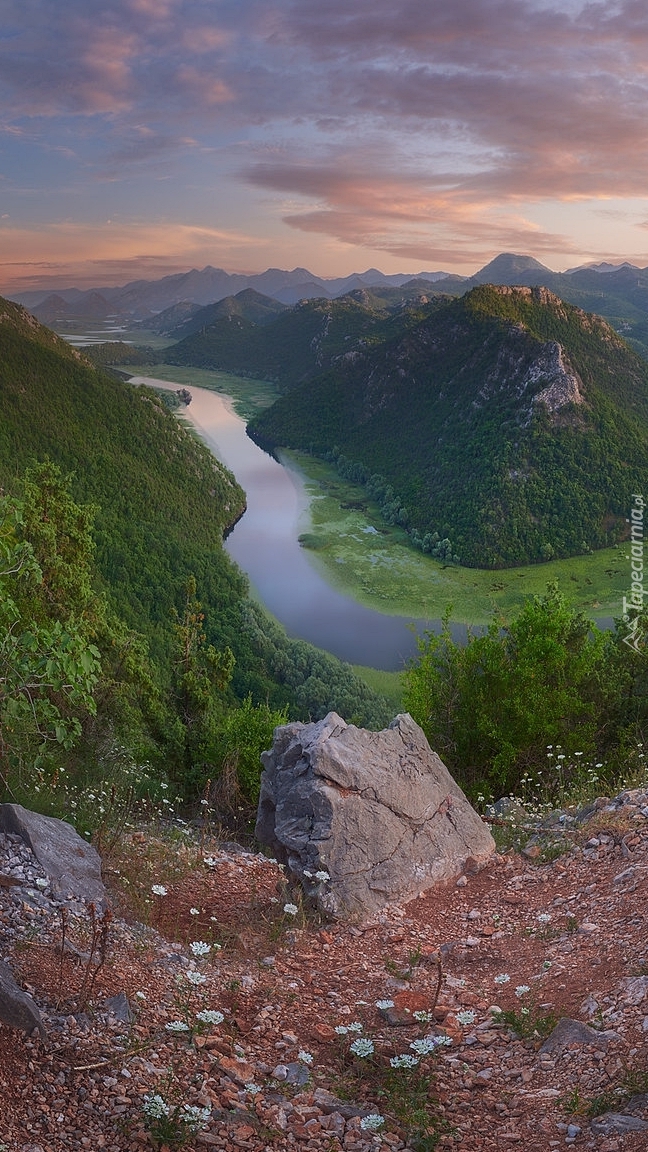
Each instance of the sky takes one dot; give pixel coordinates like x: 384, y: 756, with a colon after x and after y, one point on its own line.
x: 140, y: 138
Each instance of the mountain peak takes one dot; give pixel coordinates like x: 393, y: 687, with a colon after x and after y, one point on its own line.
x: 509, y: 268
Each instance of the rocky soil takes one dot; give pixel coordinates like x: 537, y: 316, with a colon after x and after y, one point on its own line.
x: 572, y: 930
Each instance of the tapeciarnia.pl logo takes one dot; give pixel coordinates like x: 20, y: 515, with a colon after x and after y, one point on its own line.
x: 635, y: 602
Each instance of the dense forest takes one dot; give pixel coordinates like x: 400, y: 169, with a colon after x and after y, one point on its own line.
x: 292, y: 345
x: 501, y: 428
x: 112, y: 572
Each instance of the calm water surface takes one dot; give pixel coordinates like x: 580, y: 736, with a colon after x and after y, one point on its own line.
x: 264, y: 544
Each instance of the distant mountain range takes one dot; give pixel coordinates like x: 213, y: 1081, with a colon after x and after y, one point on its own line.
x: 617, y: 292
x: 143, y: 298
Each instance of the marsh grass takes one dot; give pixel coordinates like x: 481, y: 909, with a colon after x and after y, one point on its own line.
x: 372, y: 562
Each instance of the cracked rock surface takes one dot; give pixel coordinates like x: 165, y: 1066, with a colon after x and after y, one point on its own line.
x: 377, y: 812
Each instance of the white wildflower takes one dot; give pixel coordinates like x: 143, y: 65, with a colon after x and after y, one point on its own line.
x: 305, y: 1057
x: 372, y: 1123
x: 210, y: 1016
x: 197, y: 1117
x: 177, y: 1026
x: 195, y: 978
x: 355, y: 1027
x: 210, y: 861
x: 290, y: 909
x: 362, y: 1047
x: 384, y: 1004
x: 503, y: 978
x: 466, y: 1017
x: 158, y: 890
x: 155, y: 1107
x: 194, y: 911
x: 252, y: 1089
x: 200, y: 948
x: 522, y: 990
x: 322, y: 876
x: 404, y: 1061
x: 423, y: 1017
x: 423, y: 1047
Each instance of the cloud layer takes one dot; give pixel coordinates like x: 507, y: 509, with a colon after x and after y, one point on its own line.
x: 421, y: 130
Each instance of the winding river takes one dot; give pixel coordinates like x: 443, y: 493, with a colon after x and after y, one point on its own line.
x: 264, y: 543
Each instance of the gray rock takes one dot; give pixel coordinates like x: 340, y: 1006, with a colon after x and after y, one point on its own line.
x: 378, y: 811
x: 119, y: 1007
x: 634, y: 989
x: 331, y: 1105
x: 569, y: 1032
x: 16, y: 1007
x: 507, y: 808
x: 73, y: 867
x: 617, y: 1123
x: 637, y: 1104
x: 297, y: 1074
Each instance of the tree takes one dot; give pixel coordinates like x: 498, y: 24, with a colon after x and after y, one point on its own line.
x: 201, y: 676
x: 491, y: 707
x: 48, y: 667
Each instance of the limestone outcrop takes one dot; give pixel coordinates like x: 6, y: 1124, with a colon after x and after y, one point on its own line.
x: 376, y: 812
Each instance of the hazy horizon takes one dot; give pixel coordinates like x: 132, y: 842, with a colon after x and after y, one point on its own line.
x: 56, y: 284
x: 142, y: 138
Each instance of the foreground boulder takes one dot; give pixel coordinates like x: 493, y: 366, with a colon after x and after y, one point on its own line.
x: 73, y: 867
x: 16, y: 1007
x: 377, y: 811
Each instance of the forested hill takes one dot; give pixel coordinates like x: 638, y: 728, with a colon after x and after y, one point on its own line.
x: 161, y: 504
x: 297, y: 343
x: 507, y: 423
x: 146, y: 475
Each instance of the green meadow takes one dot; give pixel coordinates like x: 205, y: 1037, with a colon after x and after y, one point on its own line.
x: 362, y: 556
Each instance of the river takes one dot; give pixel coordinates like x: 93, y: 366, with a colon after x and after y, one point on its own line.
x: 264, y: 543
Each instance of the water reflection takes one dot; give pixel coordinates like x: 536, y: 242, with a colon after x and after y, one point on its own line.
x: 264, y: 544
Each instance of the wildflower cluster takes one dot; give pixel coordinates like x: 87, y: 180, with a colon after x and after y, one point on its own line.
x: 192, y: 1019
x: 173, y: 1124
x: 342, y: 1029
x: 372, y: 1123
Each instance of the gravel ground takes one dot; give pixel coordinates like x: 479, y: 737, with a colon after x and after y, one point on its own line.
x: 571, y: 931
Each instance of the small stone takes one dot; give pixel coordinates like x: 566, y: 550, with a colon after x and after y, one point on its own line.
x: 616, y: 1123
x: 462, y: 881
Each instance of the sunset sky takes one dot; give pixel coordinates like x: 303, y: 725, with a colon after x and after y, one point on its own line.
x: 142, y: 137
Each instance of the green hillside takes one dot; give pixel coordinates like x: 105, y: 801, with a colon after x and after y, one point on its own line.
x: 300, y: 342
x: 246, y: 305
x: 505, y: 427
x: 161, y: 505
